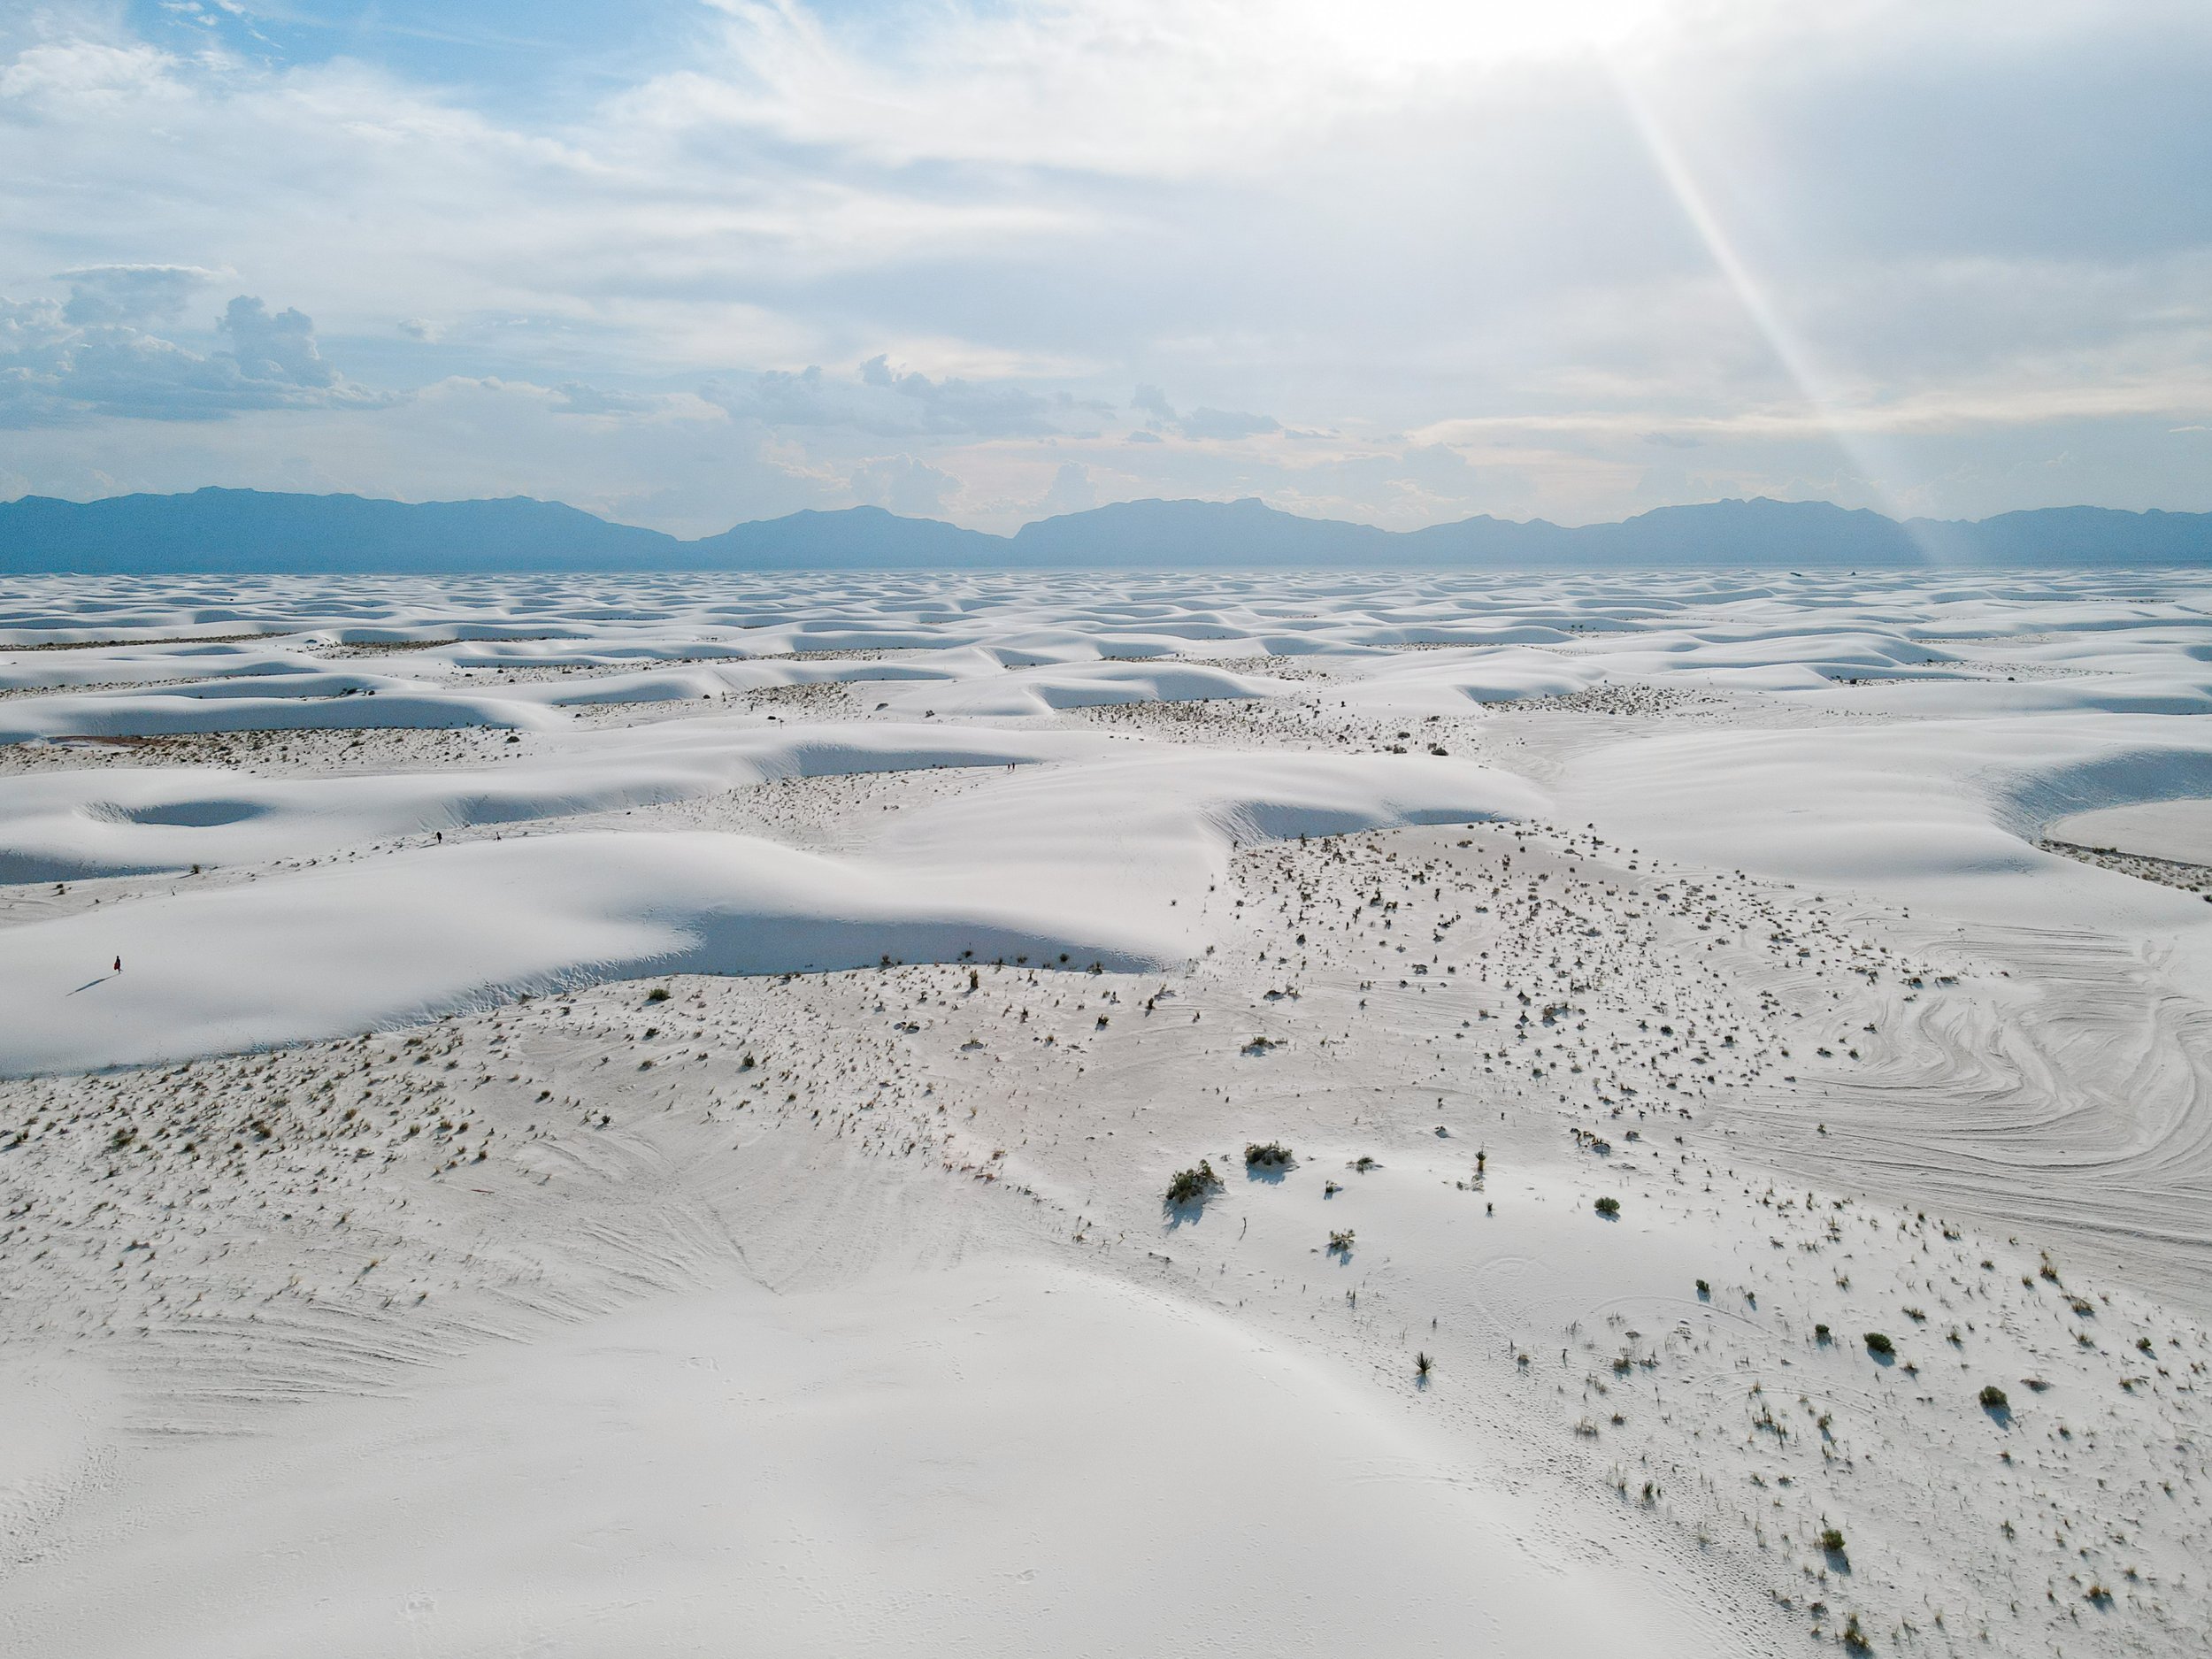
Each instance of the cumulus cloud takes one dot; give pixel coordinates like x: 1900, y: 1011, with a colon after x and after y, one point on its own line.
x: 1072, y: 491
x: 279, y: 350
x: 58, y: 370
x: 903, y: 485
x: 111, y: 294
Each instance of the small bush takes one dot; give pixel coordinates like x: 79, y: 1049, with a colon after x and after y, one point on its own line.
x: 1608, y: 1207
x: 1704, y: 1289
x: 1190, y: 1186
x: 659, y: 993
x: 1340, y: 1243
x: 1876, y: 1343
x: 1820, y: 1334
x: 1832, y: 1540
x: 1993, y: 1398
x: 1272, y: 1155
x: 1423, y: 1365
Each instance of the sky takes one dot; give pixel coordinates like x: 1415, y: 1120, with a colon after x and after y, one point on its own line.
x: 685, y: 263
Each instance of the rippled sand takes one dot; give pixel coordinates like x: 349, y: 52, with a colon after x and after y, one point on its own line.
x: 634, y: 1114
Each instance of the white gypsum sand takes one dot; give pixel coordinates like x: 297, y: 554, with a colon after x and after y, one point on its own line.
x: 636, y: 1113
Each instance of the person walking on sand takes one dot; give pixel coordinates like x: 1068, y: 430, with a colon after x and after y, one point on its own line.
x: 119, y: 964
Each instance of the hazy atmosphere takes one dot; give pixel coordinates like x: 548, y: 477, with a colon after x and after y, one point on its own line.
x: 1048, y: 831
x: 685, y: 265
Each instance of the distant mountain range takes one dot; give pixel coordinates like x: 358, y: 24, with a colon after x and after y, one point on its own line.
x: 245, y: 530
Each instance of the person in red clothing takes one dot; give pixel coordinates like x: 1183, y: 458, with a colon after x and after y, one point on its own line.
x: 119, y: 964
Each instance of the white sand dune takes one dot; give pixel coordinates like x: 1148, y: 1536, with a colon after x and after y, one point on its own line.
x: 695, y: 1175
x: 976, y: 1469
x: 68, y: 825
x: 2177, y: 829
x: 1090, y: 863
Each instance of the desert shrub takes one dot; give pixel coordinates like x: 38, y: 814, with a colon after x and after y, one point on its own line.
x: 1704, y: 1289
x: 1832, y: 1540
x: 659, y: 993
x: 1190, y: 1186
x: 1993, y: 1397
x: 1340, y: 1243
x: 1876, y: 1343
x: 1272, y: 1155
x: 1423, y: 1365
x: 1608, y: 1207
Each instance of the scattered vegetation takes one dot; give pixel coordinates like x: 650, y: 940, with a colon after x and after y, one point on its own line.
x: 1191, y: 1187
x: 1270, y: 1154
x: 1609, y: 1207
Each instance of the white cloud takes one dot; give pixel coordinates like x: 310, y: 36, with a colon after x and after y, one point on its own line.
x: 1407, y: 217
x: 1072, y: 491
x: 56, y: 371
x: 903, y: 485
x: 130, y: 293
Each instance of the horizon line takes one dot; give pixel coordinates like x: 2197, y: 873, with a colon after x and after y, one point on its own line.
x: 1138, y: 500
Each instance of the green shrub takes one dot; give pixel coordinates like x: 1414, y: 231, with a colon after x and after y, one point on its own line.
x: 1190, y: 1186
x: 1876, y: 1343
x: 1832, y: 1540
x: 1608, y: 1207
x: 659, y: 993
x: 1272, y: 1155
x: 1993, y: 1398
